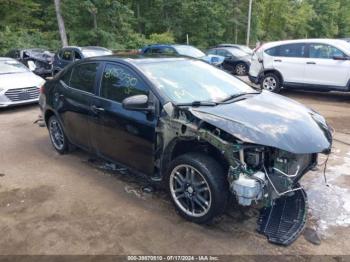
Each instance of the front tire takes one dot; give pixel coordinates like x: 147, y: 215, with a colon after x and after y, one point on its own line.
x: 241, y: 69
x: 271, y: 82
x: 57, y: 136
x: 197, y: 187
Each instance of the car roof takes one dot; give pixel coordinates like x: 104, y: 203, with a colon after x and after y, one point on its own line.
x: 139, y: 59
x: 165, y: 45
x: 94, y: 48
x: 335, y: 42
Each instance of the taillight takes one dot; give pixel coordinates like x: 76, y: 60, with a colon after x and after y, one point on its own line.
x: 42, y: 89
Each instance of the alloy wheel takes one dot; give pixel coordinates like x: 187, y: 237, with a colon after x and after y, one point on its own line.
x: 56, y: 134
x: 241, y: 69
x: 270, y: 83
x: 190, y: 190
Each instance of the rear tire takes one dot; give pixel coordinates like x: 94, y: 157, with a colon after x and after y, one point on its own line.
x: 271, y: 82
x: 58, y: 138
x: 197, y: 186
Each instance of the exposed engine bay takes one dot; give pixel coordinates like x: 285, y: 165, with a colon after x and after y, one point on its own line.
x: 255, y: 173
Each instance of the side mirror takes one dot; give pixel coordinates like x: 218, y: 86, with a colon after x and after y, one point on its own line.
x: 343, y: 58
x: 31, y: 65
x: 137, y: 103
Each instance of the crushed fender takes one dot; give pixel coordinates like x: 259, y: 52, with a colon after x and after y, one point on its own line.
x: 284, y: 221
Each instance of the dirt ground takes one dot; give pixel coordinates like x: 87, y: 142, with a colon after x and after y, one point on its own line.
x: 72, y: 204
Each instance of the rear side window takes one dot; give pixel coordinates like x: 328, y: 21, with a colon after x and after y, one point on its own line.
x: 292, y: 50
x: 119, y: 83
x: 84, y: 76
x: 323, y: 51
x: 272, y: 51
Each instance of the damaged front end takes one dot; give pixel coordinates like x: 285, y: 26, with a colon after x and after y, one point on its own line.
x: 271, y: 176
x: 258, y: 170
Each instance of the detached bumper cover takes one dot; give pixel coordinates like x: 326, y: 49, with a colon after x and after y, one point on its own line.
x: 284, y: 221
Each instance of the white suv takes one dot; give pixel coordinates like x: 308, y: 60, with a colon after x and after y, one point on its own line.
x: 309, y: 64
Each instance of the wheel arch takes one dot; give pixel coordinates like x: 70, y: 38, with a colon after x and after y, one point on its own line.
x: 48, y: 114
x: 179, y: 147
x: 273, y: 71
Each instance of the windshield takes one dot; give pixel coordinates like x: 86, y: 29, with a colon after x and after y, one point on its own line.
x: 237, y: 52
x: 246, y: 49
x: 185, y: 81
x: 188, y: 50
x: 91, y: 53
x: 346, y: 47
x: 10, y: 67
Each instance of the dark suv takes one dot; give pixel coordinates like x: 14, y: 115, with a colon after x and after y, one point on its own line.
x: 202, y: 132
x: 69, y: 54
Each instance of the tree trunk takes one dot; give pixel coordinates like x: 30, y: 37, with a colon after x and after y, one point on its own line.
x: 60, y: 22
x: 94, y: 17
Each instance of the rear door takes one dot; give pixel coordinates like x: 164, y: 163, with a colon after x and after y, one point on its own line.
x: 75, y: 97
x: 290, y: 60
x: 323, y: 70
x: 124, y: 136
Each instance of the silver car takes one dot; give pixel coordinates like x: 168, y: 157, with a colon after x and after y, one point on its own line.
x: 18, y: 85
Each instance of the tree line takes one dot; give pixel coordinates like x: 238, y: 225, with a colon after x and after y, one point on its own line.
x: 130, y: 24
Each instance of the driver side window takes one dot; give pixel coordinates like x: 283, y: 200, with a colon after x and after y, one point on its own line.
x: 323, y: 51
x: 119, y: 82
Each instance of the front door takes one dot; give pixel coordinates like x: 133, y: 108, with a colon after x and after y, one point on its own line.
x: 323, y: 70
x: 124, y: 136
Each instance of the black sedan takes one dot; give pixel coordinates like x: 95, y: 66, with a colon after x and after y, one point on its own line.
x: 236, y: 60
x: 203, y: 133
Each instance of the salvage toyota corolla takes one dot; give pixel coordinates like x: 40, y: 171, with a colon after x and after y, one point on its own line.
x: 204, y: 133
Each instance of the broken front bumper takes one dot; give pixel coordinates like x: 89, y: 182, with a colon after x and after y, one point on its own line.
x: 284, y: 221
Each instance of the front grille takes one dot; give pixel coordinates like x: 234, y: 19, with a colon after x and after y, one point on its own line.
x: 22, y: 94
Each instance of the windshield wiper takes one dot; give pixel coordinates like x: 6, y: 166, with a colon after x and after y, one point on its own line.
x: 198, y: 103
x: 231, y: 97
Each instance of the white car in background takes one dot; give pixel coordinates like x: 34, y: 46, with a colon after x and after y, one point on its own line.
x: 308, y: 64
x: 18, y: 85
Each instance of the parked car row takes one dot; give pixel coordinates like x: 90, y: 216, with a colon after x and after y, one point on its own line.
x: 201, y: 132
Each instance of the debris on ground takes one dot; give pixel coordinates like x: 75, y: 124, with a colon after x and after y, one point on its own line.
x: 40, y: 121
x: 147, y: 189
x: 312, y: 236
x: 1, y: 174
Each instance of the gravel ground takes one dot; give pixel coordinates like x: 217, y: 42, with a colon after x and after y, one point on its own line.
x: 74, y: 204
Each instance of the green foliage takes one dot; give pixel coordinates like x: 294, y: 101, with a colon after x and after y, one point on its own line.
x: 164, y: 38
x: 130, y: 24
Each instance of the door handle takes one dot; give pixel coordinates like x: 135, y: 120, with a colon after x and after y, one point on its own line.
x: 311, y: 63
x: 277, y: 60
x: 96, y: 109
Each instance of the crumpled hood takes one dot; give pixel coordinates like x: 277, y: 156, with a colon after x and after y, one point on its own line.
x: 19, y: 80
x: 271, y: 120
